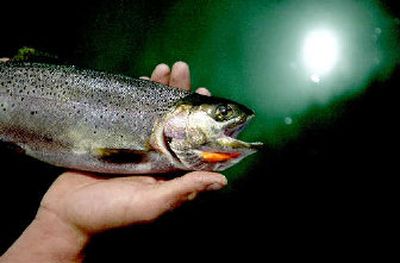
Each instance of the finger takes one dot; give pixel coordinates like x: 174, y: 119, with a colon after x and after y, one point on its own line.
x: 179, y: 190
x: 203, y: 91
x: 4, y: 59
x: 180, y: 76
x: 144, y: 77
x: 161, y: 74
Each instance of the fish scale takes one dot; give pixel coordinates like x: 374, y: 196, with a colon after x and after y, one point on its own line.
x: 83, y: 94
x: 78, y: 108
x: 109, y: 123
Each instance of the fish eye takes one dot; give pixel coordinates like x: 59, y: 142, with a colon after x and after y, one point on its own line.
x: 223, y: 112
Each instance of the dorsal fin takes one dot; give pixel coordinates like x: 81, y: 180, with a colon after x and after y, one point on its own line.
x: 29, y: 54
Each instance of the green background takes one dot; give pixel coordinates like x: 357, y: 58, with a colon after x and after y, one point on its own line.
x: 324, y: 187
x: 249, y: 51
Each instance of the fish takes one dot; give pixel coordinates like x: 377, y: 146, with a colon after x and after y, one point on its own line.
x: 108, y: 123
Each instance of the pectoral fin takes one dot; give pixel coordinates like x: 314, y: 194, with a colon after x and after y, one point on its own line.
x: 215, y: 157
x: 120, y: 155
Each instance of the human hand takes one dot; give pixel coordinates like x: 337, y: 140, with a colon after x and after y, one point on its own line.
x: 178, y: 77
x: 94, y: 204
x: 78, y: 204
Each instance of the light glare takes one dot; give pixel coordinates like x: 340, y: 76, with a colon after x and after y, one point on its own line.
x: 320, y: 51
x: 315, y: 78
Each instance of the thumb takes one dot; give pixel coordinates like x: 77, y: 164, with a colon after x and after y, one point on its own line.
x: 193, y: 182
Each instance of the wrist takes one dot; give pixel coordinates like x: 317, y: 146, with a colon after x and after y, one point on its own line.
x: 48, y: 238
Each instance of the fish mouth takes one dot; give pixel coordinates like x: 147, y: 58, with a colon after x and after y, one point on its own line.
x: 231, y: 132
x: 234, y: 131
x: 227, y: 147
x: 221, y: 150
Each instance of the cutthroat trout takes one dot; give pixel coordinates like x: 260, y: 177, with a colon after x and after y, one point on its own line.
x: 106, y: 123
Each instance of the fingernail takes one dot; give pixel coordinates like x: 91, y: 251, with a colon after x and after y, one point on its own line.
x: 203, y: 91
x: 162, y: 65
x: 180, y: 64
x: 214, y: 186
x: 162, y: 69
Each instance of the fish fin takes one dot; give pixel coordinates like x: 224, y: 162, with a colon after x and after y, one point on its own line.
x: 12, y: 147
x: 29, y: 54
x: 216, y: 157
x: 120, y: 155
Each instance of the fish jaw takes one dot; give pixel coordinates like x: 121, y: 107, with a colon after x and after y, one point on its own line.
x: 216, y: 157
x: 227, y: 151
x: 215, y: 153
x: 227, y: 148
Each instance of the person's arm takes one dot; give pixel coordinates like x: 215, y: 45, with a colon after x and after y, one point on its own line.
x: 47, y: 239
x: 79, y: 205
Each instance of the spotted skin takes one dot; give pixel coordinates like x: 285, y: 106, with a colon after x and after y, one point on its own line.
x: 107, y: 123
x: 78, y: 111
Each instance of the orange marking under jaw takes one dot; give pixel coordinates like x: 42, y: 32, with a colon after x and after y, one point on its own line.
x: 215, y: 157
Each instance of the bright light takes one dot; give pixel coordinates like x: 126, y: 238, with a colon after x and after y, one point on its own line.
x: 315, y: 78
x: 320, y: 52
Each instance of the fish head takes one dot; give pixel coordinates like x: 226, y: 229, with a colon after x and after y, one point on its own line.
x: 200, y: 133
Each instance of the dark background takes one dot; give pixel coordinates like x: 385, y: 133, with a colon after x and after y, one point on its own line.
x: 326, y: 193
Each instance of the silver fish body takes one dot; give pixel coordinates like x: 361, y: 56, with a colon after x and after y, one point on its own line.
x: 100, y: 122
